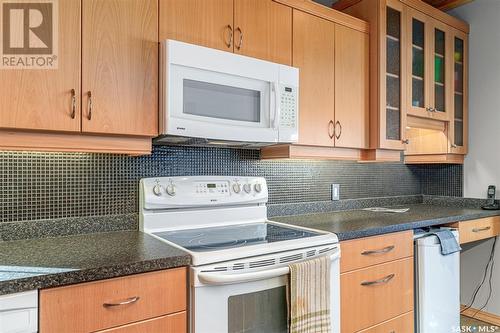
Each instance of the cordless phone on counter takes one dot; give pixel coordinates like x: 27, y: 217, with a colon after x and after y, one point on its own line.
x: 491, y: 204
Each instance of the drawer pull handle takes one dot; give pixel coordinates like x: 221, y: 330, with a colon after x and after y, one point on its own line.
x: 381, y: 251
x: 481, y: 229
x: 379, y: 281
x: 130, y: 300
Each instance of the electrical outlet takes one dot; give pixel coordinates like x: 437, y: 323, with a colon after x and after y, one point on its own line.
x: 335, y: 192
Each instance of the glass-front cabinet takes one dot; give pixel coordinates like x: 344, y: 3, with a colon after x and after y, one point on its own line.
x: 392, y: 108
x: 459, y: 100
x: 428, y: 68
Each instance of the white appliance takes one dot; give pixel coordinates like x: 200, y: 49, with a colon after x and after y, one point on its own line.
x: 219, y: 97
x: 239, y: 258
x: 19, y: 313
x: 437, y: 286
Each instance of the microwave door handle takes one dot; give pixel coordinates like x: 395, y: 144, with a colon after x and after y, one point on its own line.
x: 277, y: 106
x: 221, y: 278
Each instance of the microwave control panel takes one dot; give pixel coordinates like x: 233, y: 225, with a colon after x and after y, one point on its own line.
x: 289, y: 107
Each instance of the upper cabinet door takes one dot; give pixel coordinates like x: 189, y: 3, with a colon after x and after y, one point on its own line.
x: 263, y: 29
x: 314, y: 55
x: 441, y: 56
x: 351, y: 88
x: 393, y: 85
x: 419, y: 67
x: 202, y: 22
x: 458, y: 129
x: 120, y: 67
x: 45, y: 98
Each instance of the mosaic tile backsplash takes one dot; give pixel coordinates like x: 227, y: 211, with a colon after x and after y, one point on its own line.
x: 54, y: 185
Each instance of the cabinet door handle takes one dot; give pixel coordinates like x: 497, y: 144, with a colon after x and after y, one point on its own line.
x: 130, y: 300
x: 381, y: 251
x: 481, y: 229
x: 331, y: 129
x: 340, y: 130
x: 383, y: 280
x: 73, y: 103
x: 89, y: 105
x: 238, y: 46
x: 230, y: 29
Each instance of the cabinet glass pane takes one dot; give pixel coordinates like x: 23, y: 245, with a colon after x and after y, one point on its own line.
x: 439, y: 70
x: 459, y: 107
x: 261, y: 311
x: 393, y: 23
x: 459, y: 133
x: 393, y: 56
x: 393, y: 79
x: 439, y: 41
x: 418, y: 35
x: 418, y: 63
x: 459, y: 79
x: 417, y: 87
x: 393, y: 129
x: 439, y: 97
x: 458, y: 57
x: 393, y: 95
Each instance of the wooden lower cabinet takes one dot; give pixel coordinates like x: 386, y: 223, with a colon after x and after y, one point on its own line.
x: 372, y: 295
x: 174, y: 323
x: 474, y: 230
x: 101, y: 305
x: 377, y: 284
x: 369, y: 251
x: 401, y: 324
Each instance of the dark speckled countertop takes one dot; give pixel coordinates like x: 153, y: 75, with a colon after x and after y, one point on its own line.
x: 360, y: 223
x: 48, y: 262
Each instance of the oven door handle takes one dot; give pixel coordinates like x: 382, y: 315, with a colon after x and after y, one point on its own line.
x: 224, y: 278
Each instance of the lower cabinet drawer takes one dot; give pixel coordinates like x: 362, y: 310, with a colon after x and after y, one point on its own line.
x: 401, y: 324
x: 94, y: 306
x: 475, y: 230
x: 174, y: 323
x: 376, y: 294
x: 369, y: 251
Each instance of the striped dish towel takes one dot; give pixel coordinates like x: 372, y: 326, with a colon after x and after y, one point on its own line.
x: 309, y: 296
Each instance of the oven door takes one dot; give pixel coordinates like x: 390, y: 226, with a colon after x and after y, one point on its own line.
x: 249, y: 302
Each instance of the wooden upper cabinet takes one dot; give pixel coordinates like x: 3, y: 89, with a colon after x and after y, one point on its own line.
x: 314, y: 55
x: 418, y: 66
x: 202, y: 22
x: 429, y: 79
x: 120, y: 67
x: 458, y: 128
x: 351, y: 88
x: 42, y: 99
x: 263, y: 29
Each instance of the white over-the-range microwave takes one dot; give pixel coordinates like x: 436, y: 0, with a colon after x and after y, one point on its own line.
x: 212, y: 97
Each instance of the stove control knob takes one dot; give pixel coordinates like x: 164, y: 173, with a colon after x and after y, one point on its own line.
x: 247, y: 188
x: 171, y: 189
x: 236, y: 188
x: 157, y: 190
x: 257, y: 187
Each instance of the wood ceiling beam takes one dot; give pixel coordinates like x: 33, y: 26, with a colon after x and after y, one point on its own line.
x: 450, y: 4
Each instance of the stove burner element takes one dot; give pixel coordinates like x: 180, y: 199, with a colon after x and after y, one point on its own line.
x: 234, y: 236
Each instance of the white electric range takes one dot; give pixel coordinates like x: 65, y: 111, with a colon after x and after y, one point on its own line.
x: 240, y: 259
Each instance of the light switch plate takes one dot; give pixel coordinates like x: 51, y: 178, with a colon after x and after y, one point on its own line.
x: 335, y: 192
